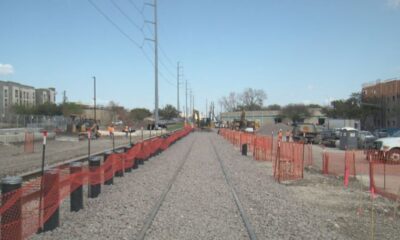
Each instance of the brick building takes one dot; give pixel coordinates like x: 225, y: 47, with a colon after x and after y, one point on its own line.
x: 385, y: 96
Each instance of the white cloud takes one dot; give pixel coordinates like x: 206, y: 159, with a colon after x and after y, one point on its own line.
x: 6, y: 69
x: 394, y: 3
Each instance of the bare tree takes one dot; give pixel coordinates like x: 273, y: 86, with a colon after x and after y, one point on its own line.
x: 230, y: 102
x: 253, y: 99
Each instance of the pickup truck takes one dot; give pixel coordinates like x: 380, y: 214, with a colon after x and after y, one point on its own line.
x: 390, y: 146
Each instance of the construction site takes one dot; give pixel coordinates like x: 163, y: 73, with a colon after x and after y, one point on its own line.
x: 150, y: 119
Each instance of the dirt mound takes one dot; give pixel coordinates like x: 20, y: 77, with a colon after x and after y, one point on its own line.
x: 267, y: 129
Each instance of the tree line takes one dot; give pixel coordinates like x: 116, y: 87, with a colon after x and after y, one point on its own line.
x: 70, y: 108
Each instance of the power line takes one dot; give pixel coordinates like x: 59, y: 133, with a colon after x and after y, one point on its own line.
x: 144, y: 21
x: 126, y: 16
x: 114, y: 24
x: 148, y: 58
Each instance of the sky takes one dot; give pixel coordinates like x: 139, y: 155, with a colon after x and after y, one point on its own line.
x: 303, y: 51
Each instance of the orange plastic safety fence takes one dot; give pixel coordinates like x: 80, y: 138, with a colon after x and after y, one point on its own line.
x: 289, y: 161
x: 384, y: 175
x: 29, y: 142
x: 24, y: 211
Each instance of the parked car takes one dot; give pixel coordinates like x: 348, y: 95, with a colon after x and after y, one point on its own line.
x: 380, y: 133
x: 329, y: 137
x: 390, y: 146
x: 366, y: 140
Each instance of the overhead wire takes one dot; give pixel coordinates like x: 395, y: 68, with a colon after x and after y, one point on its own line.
x: 150, y: 30
x: 120, y: 30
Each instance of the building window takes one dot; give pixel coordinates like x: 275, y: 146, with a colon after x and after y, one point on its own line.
x: 388, y: 123
x: 394, y: 98
x: 393, y: 123
x: 5, y: 103
x: 16, y: 93
x: 5, y: 93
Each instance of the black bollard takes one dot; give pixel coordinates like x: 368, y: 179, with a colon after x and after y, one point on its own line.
x: 94, y: 177
x: 127, y: 167
x: 11, y: 219
x: 244, y: 149
x: 121, y: 161
x: 51, y: 199
x: 76, y: 196
x: 108, y: 171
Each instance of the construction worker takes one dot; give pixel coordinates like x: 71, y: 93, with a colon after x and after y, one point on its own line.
x: 126, y: 130
x: 287, y: 135
x: 280, y: 135
x: 111, y: 130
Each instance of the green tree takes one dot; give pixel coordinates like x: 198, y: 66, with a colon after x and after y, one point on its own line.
x: 168, y: 112
x: 138, y: 114
x: 48, y: 109
x: 70, y: 108
x: 23, y: 110
x: 273, y: 107
x: 295, y: 112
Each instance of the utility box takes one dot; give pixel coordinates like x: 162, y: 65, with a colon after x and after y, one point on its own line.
x: 348, y: 139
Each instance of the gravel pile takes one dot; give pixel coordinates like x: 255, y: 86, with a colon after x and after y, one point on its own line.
x: 119, y: 212
x: 199, y: 204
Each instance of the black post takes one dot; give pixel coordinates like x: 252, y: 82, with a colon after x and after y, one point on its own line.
x: 130, y: 136
x: 51, y: 199
x: 11, y: 219
x: 108, y: 171
x: 89, y: 138
x: 113, y: 140
x: 127, y: 167
x: 42, y: 180
x: 244, y: 149
x: 76, y: 196
x: 121, y: 160
x: 94, y: 177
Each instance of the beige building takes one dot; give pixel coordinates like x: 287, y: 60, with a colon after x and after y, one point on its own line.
x: 269, y: 117
x: 45, y: 95
x: 12, y: 93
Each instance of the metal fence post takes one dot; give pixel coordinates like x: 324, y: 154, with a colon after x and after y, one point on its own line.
x: 51, y: 199
x: 11, y: 219
x: 94, y: 177
x: 108, y: 171
x: 76, y: 196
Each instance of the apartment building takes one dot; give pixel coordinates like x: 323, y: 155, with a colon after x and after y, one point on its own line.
x: 45, y: 95
x: 384, y: 96
x: 13, y: 93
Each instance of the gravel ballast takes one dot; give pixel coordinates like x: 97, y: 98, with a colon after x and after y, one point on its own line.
x: 200, y: 204
x: 120, y: 210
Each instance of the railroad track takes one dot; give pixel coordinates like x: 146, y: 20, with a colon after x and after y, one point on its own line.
x: 153, y: 213
x: 243, y: 214
x: 155, y: 209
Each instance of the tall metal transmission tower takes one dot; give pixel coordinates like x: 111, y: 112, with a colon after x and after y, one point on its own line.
x: 155, y: 40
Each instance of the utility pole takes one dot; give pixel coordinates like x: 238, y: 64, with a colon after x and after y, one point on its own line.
x: 186, y: 106
x: 64, y: 96
x: 155, y: 40
x: 177, y: 86
x: 94, y: 99
x: 206, y: 108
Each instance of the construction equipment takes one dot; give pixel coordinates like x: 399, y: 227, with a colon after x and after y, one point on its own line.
x: 86, y: 125
x: 243, y: 124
